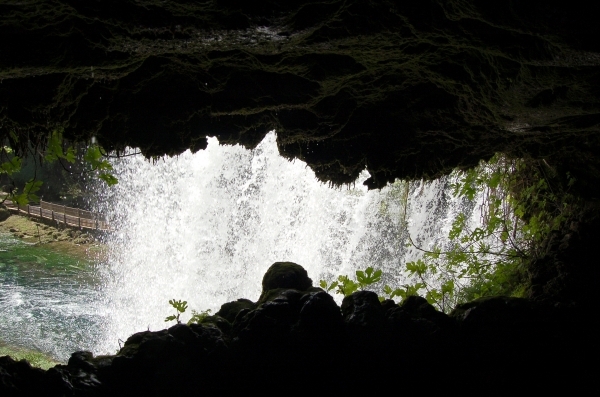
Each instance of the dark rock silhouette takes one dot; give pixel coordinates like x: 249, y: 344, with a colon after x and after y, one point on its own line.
x: 300, y: 341
x: 286, y: 275
x: 406, y: 89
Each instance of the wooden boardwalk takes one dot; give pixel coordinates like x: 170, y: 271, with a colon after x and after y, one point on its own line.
x: 68, y: 216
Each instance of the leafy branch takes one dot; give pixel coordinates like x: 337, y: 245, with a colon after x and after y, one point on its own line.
x: 346, y: 286
x: 55, y: 149
x: 521, y: 203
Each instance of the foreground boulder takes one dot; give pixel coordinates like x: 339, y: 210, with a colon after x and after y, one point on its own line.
x: 297, y: 340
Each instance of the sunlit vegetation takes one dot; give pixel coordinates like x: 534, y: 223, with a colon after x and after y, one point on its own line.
x: 35, y: 358
x: 88, y: 159
x: 521, y: 201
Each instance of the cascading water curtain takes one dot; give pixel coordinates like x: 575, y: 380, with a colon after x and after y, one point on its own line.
x: 205, y: 227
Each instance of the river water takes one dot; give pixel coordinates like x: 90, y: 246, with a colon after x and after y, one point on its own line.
x: 204, y: 228
x: 48, y: 301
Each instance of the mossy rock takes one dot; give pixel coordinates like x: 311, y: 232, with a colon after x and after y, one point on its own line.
x: 495, y: 310
x: 230, y: 310
x: 287, y: 275
x: 288, y: 294
x: 223, y: 324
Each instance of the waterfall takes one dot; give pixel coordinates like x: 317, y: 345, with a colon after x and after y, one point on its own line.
x: 205, y: 227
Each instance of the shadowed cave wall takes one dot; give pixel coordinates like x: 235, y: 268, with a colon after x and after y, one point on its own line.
x: 405, y: 89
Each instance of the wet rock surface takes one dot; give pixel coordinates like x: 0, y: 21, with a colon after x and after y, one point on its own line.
x: 406, y: 89
x: 302, y: 341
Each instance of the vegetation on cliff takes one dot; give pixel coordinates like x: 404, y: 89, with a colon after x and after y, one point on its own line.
x: 35, y: 358
x: 522, y: 203
x: 58, y: 169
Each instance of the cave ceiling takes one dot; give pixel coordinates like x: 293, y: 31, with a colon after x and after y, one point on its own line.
x: 405, y: 89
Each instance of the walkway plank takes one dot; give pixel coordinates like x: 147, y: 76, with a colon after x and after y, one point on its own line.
x: 69, y: 216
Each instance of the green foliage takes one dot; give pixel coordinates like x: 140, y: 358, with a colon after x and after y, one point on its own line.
x: 94, y: 157
x: 180, y: 307
x: 28, y: 194
x: 346, y: 286
x: 56, y: 149
x: 369, y: 278
x: 35, y: 358
x: 12, y: 163
x: 404, y: 292
x: 520, y: 209
x: 197, y: 317
x: 522, y: 202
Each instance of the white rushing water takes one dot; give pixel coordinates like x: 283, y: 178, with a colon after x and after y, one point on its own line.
x: 205, y: 227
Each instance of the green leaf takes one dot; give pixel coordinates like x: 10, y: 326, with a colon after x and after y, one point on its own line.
x: 412, y: 290
x: 70, y: 155
x: 28, y: 194
x: 198, y: 317
x: 54, y: 150
x: 419, y: 267
x: 477, y: 234
x: 179, y: 305
x: 346, y: 286
x: 368, y: 277
x: 495, y: 179
x: 448, y: 287
x: 109, y: 179
x: 433, y: 296
x: 11, y: 166
x: 457, y: 226
x: 93, y: 154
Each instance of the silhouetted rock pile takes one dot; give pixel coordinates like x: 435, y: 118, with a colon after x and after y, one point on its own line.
x: 298, y: 341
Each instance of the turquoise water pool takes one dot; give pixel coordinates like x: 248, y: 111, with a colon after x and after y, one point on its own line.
x: 48, y: 300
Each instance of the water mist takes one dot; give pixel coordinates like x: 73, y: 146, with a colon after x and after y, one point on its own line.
x: 205, y: 227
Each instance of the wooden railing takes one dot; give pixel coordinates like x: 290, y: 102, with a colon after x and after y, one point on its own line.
x: 68, y: 216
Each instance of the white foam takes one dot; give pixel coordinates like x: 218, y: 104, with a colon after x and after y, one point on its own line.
x: 205, y: 227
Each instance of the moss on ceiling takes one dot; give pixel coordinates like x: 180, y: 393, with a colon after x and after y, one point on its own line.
x: 405, y: 89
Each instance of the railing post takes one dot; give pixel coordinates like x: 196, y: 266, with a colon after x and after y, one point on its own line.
x: 92, y: 219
